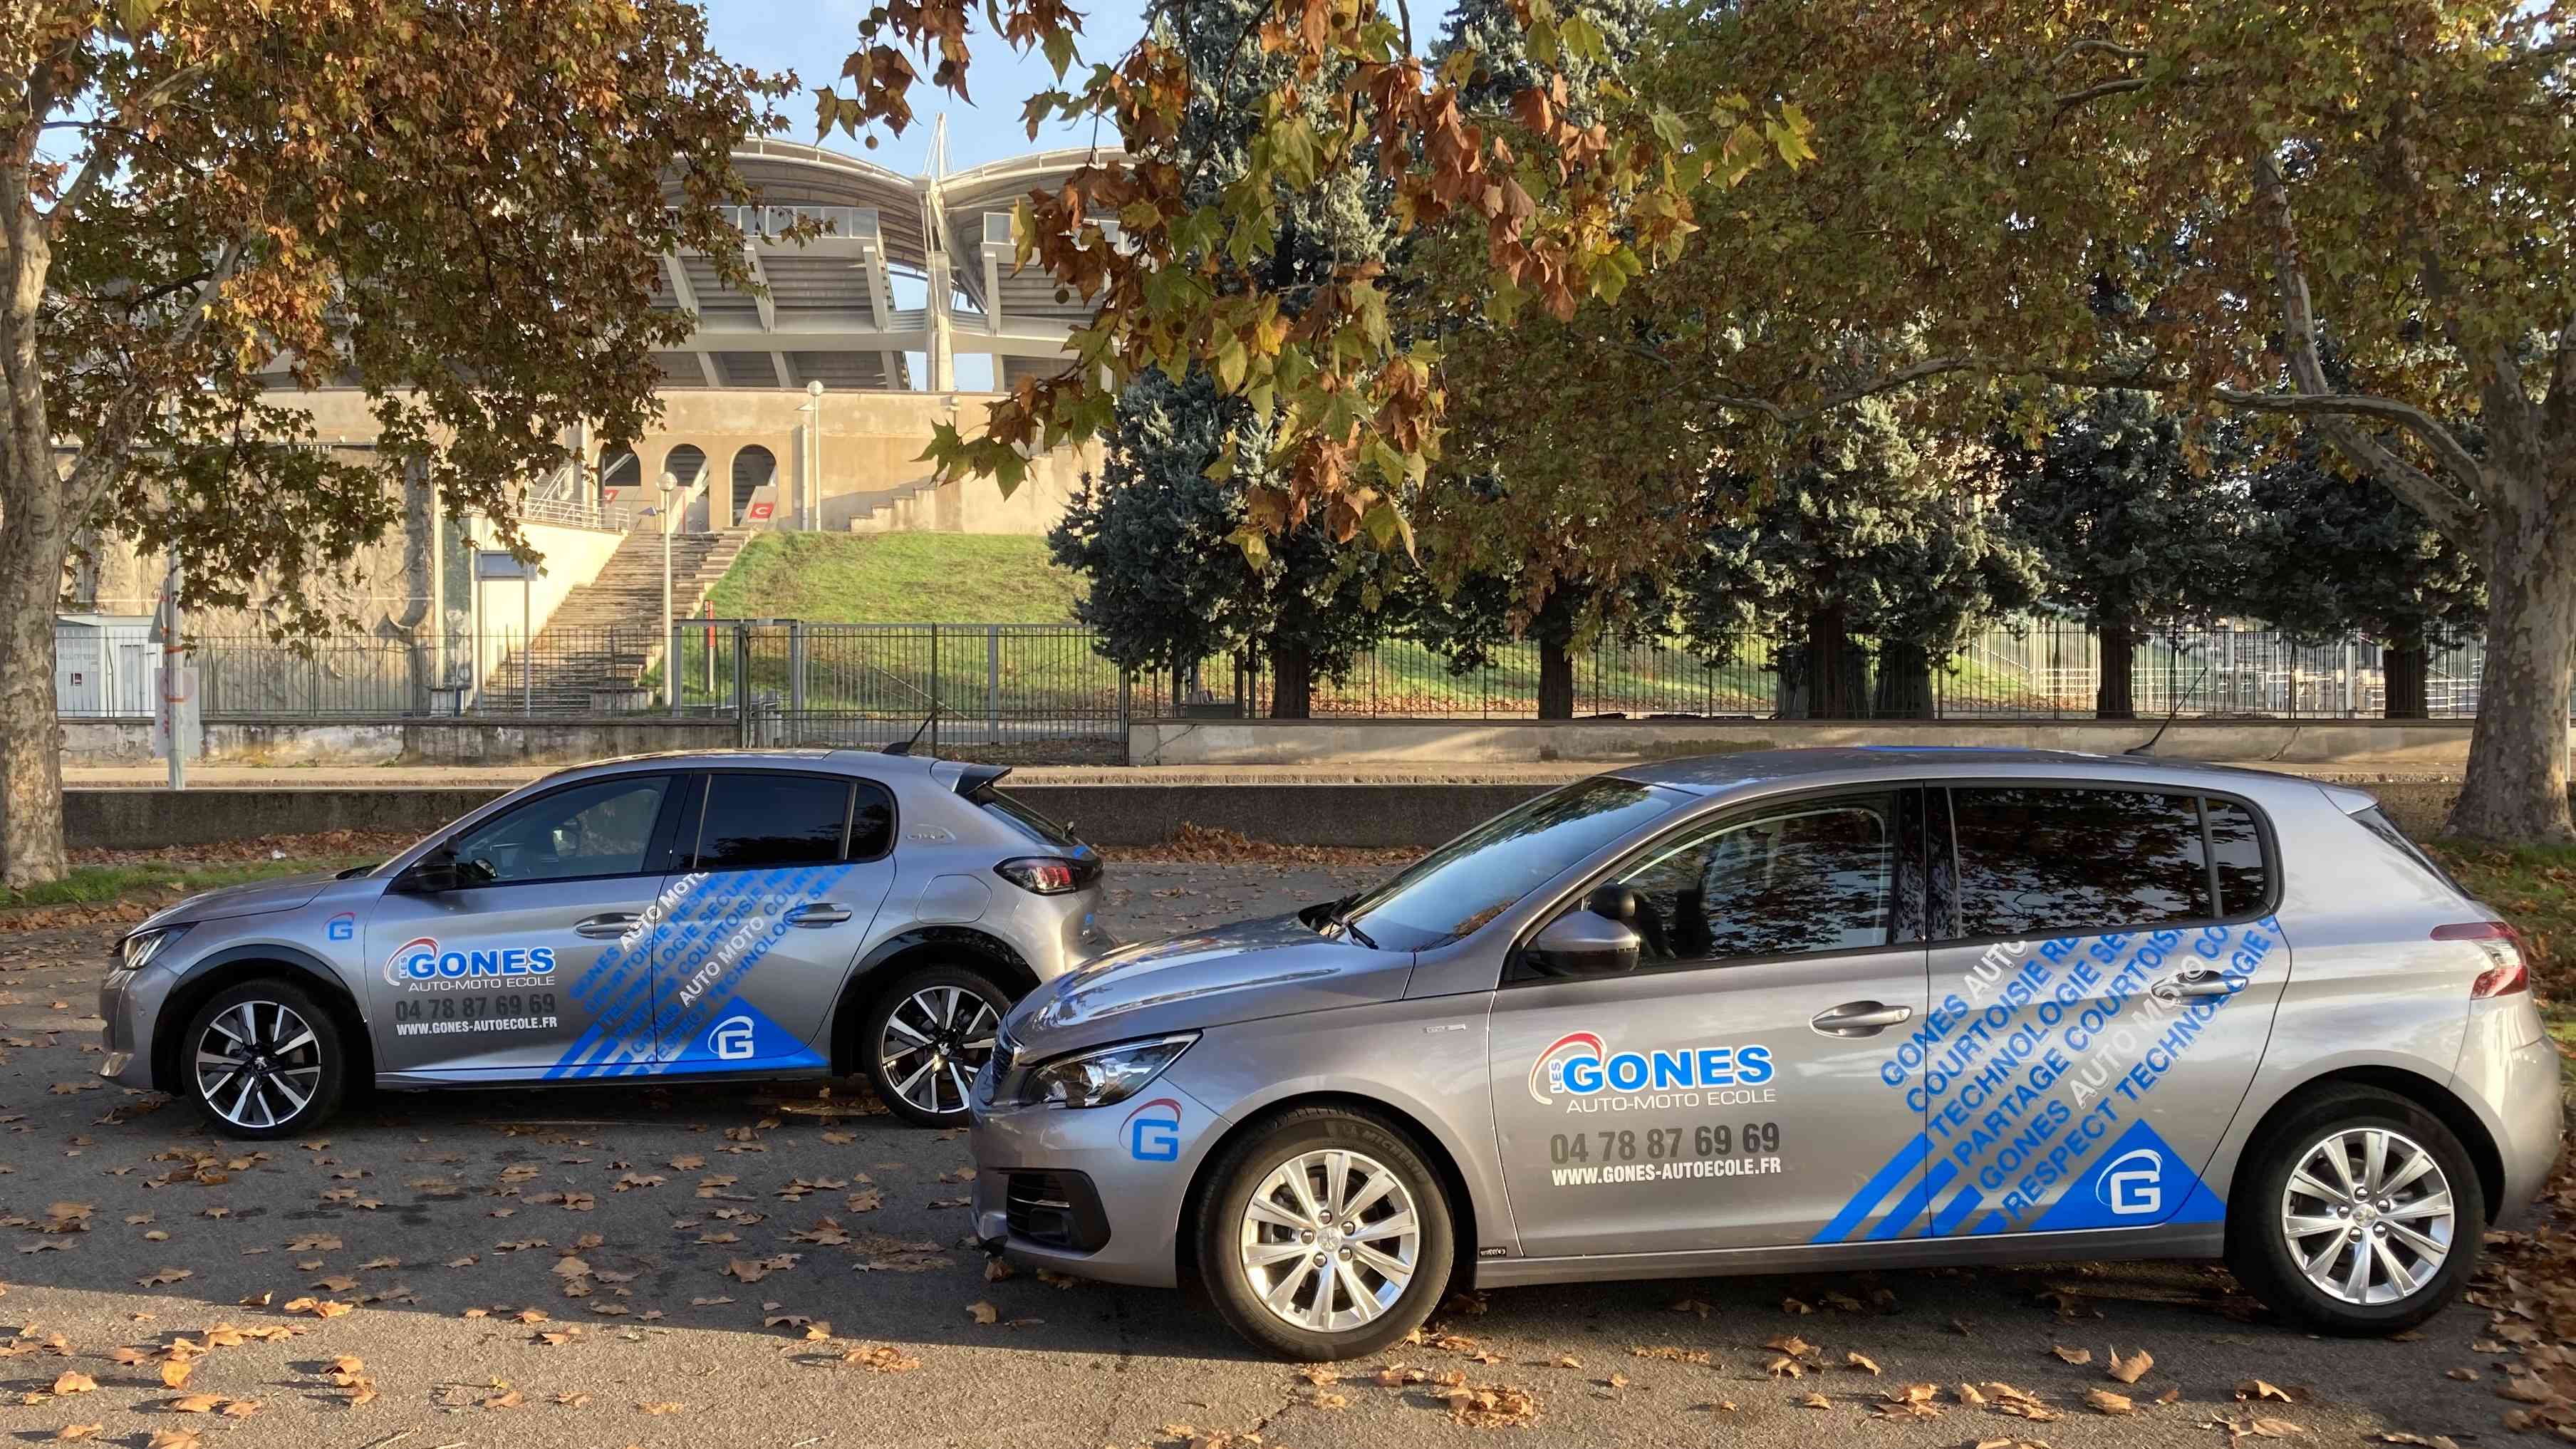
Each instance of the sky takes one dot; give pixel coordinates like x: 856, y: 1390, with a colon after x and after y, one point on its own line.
x: 813, y: 37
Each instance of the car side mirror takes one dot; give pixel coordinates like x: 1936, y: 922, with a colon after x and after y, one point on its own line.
x: 432, y: 874
x: 1584, y: 943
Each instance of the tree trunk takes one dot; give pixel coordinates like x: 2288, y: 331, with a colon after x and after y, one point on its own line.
x: 1292, y: 682
x: 2516, y: 788
x: 2116, y: 697
x: 33, y: 544
x: 1904, y: 688
x: 1555, y: 680
x: 2402, y: 668
x: 36, y: 523
x: 1836, y: 686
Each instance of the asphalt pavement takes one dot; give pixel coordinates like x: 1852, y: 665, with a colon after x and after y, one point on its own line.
x: 617, y: 1265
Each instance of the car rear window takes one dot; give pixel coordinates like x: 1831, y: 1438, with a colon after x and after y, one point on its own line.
x: 2045, y: 860
x: 2377, y: 823
x: 1028, y: 821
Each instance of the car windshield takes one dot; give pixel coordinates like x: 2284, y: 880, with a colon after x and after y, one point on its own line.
x: 1474, y: 878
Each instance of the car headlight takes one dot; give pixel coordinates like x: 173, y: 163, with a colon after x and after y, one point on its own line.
x: 1098, y: 1078
x: 138, y: 950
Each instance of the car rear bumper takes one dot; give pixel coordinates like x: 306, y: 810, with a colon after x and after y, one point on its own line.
x: 1094, y: 1192
x: 2509, y: 1073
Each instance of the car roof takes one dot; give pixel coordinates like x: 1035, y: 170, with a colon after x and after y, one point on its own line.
x: 1861, y: 764
x: 838, y: 761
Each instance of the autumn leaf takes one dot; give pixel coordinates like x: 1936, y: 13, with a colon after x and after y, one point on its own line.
x: 69, y: 1432
x: 73, y: 1381
x: 2071, y: 1355
x: 2106, y: 1402
x: 1861, y: 1361
x: 983, y: 1312
x: 194, y: 1403
x: 2131, y: 1369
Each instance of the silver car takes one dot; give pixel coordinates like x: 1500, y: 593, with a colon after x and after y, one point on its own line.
x: 752, y: 915
x: 1810, y: 1009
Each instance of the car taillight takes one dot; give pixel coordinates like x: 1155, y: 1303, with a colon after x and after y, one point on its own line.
x: 1049, y: 875
x: 2505, y: 973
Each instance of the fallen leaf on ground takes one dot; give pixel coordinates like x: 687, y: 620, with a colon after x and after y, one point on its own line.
x: 2131, y: 1369
x: 2106, y: 1402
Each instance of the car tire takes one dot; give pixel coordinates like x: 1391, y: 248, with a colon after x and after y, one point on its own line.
x: 2356, y: 1263
x: 1343, y: 1308
x: 262, y: 1059
x: 926, y: 1036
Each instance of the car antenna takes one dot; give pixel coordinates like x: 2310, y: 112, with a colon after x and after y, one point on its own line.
x: 906, y: 747
x: 2181, y: 699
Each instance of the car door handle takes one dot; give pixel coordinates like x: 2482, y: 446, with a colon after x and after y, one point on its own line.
x: 821, y: 913
x: 2190, y: 983
x: 1860, y: 1018
x: 606, y: 926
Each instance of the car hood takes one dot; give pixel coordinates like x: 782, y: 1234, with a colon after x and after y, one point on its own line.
x: 249, y: 899
x: 1277, y: 966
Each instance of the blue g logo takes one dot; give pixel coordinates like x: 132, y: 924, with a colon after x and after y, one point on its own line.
x: 1154, y: 1131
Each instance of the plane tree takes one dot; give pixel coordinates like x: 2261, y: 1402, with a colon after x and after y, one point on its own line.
x: 460, y: 210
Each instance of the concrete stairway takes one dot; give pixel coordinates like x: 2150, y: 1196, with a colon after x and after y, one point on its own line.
x: 872, y: 504
x: 606, y: 634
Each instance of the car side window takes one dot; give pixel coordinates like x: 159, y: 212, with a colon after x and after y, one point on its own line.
x: 769, y: 818
x: 2045, y: 860
x: 1804, y: 878
x: 871, y: 821
x: 2236, y: 846
x: 599, y: 829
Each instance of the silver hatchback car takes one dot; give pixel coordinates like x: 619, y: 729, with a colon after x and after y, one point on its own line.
x: 754, y: 914
x: 1799, y: 1010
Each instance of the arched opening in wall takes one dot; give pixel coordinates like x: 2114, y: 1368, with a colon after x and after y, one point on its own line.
x: 621, y: 473
x: 753, y: 467
x: 686, y: 463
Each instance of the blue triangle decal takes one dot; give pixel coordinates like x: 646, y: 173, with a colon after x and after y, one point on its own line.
x: 735, y: 1037
x: 2137, y: 1182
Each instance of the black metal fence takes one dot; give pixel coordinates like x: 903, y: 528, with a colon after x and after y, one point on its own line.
x: 789, y: 682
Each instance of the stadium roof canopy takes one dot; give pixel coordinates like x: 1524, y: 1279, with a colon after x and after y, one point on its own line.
x: 831, y: 313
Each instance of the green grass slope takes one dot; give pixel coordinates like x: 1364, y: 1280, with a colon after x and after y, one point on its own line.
x: 898, y: 578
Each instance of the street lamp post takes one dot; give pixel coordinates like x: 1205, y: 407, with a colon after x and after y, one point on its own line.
x: 810, y: 513
x: 670, y: 640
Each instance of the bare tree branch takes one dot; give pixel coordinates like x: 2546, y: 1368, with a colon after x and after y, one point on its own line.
x: 2099, y: 47
x: 2447, y: 502
x: 103, y: 452
x: 104, y: 159
x: 2094, y: 93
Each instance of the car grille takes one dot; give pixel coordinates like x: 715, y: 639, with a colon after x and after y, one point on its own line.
x: 1056, y: 1210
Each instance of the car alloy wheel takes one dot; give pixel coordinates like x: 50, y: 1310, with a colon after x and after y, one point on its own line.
x: 2368, y: 1216
x: 1329, y: 1240
x: 935, y: 1040
x: 259, y: 1064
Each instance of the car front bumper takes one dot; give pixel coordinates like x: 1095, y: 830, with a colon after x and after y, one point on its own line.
x: 1094, y: 1192
x: 123, y: 1037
